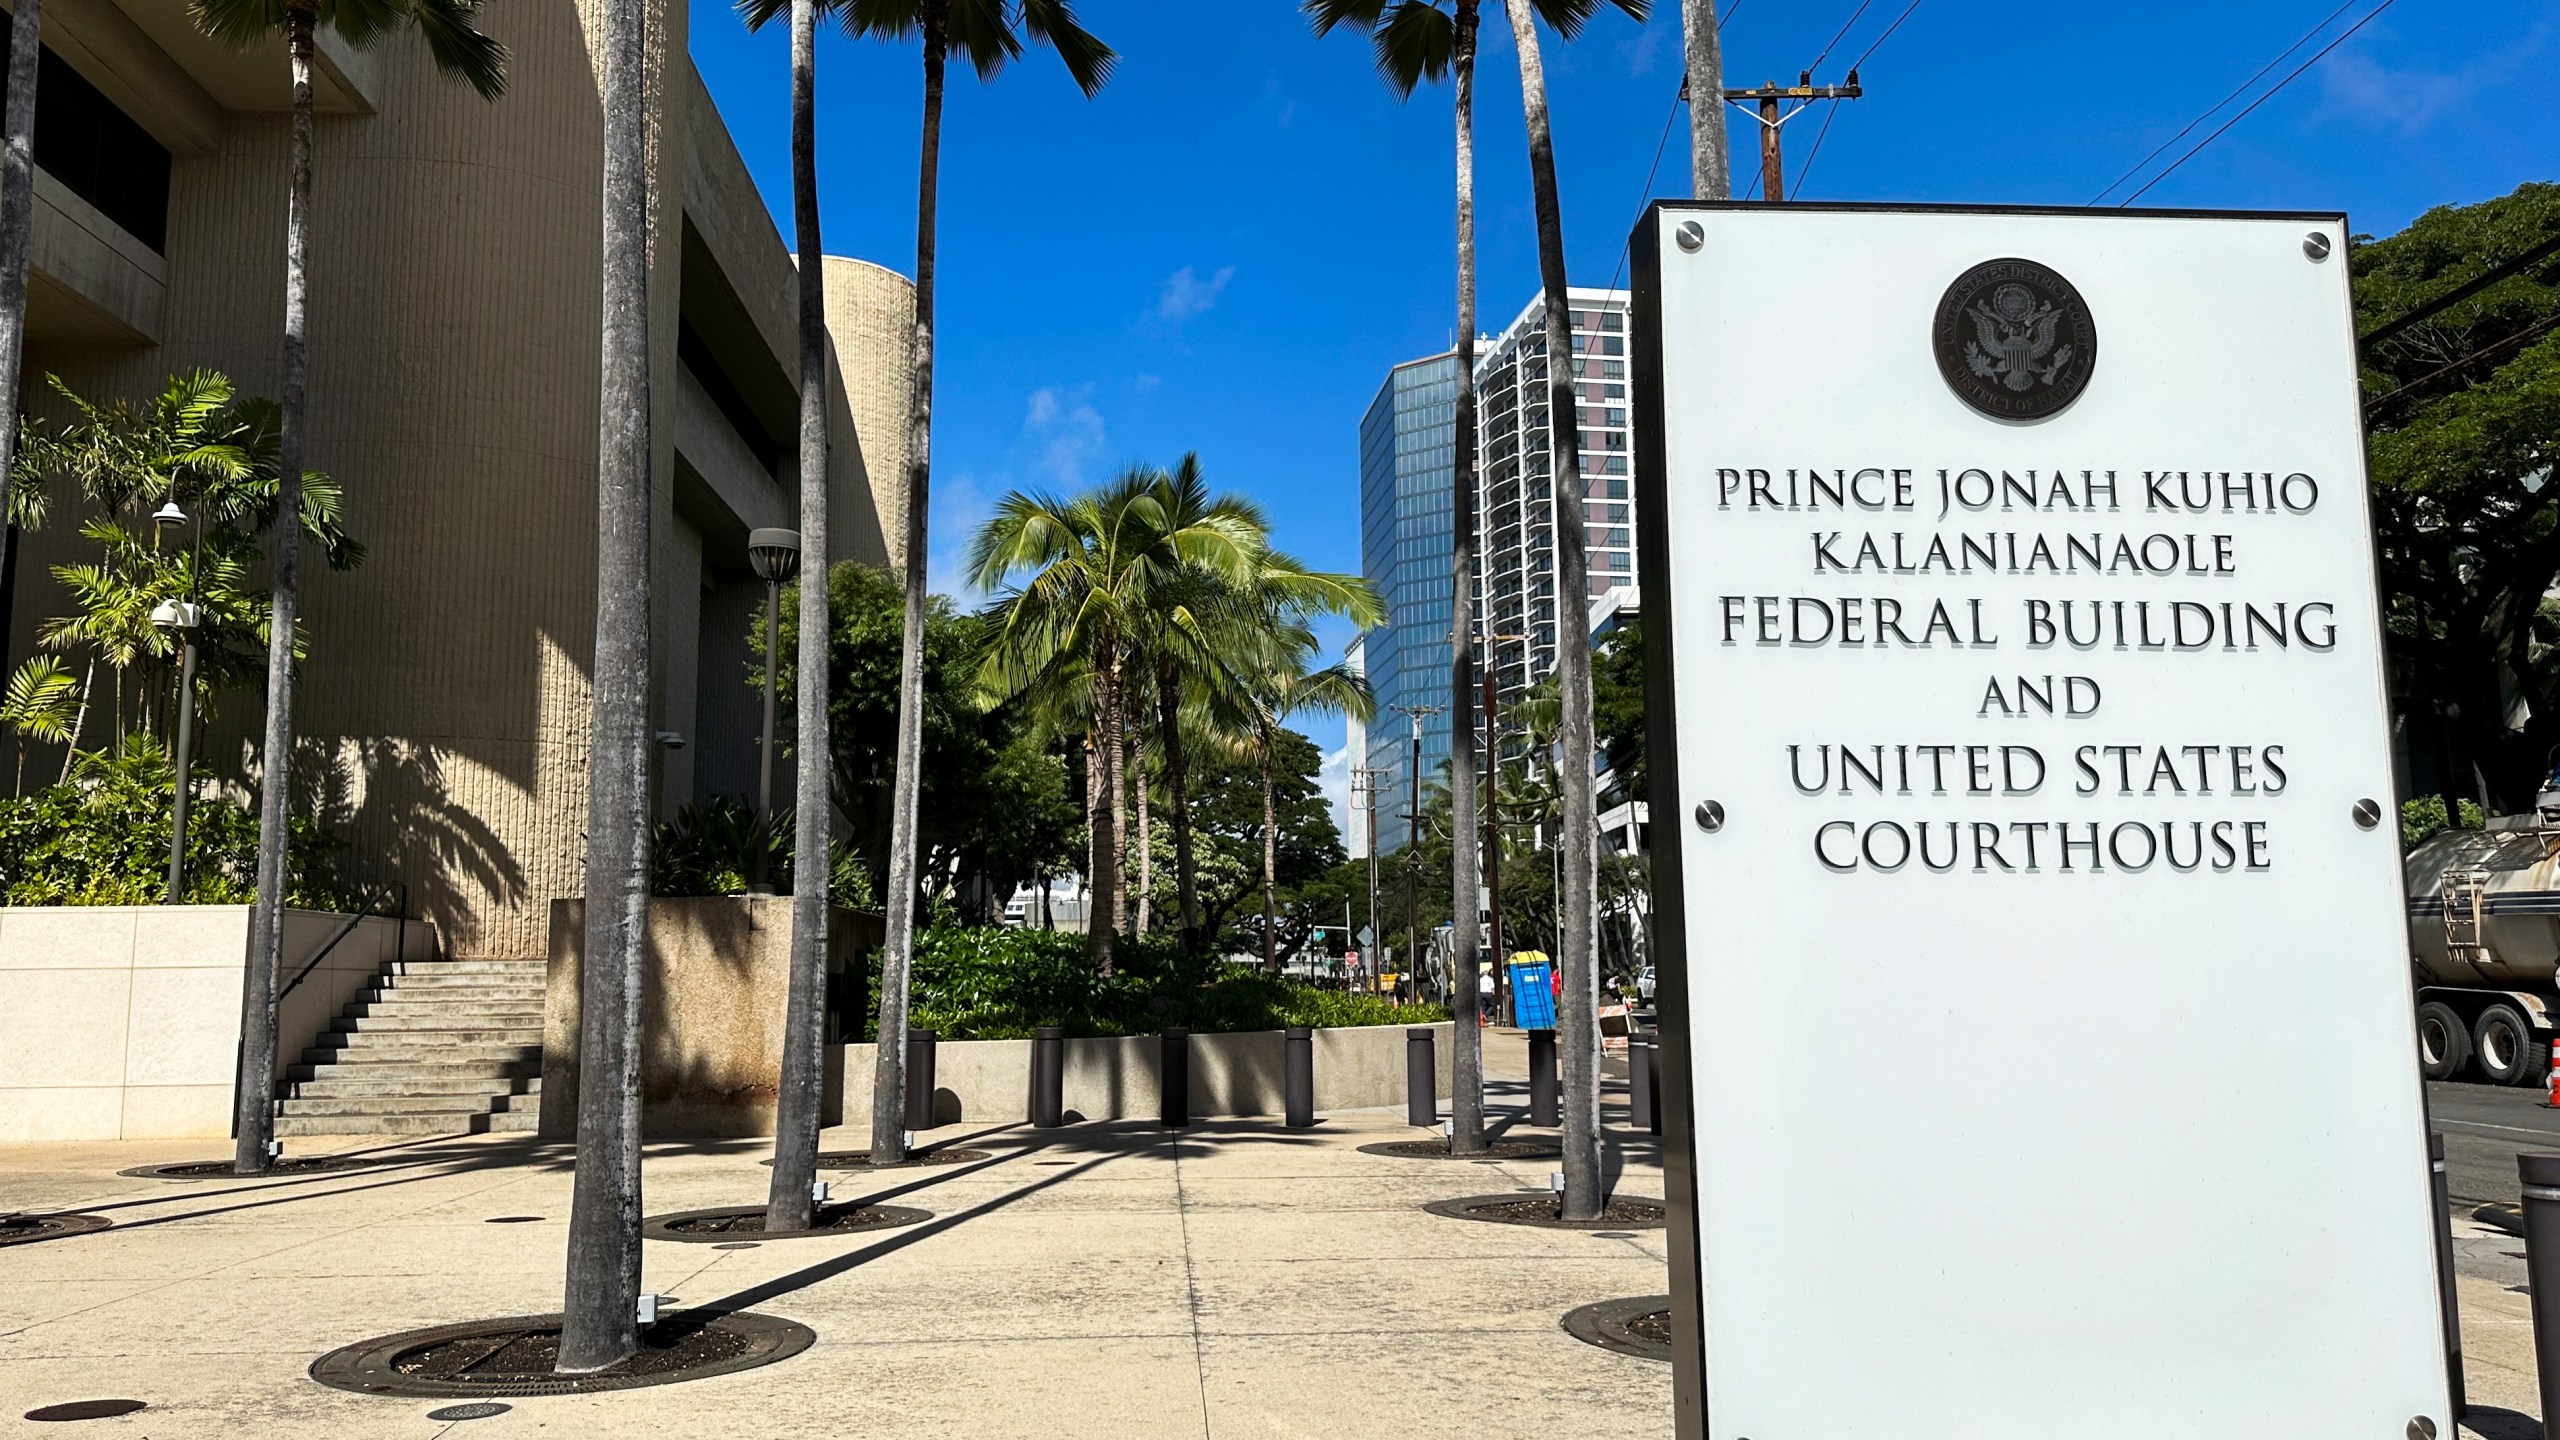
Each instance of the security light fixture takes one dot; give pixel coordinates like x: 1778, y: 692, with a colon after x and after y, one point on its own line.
x: 773, y: 554
x: 168, y: 514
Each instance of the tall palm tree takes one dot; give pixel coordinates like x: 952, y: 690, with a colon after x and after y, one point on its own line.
x: 1283, y: 686
x: 599, y: 1312
x: 789, y: 1205
x: 986, y: 34
x: 1710, y: 166
x: 1578, y: 1019
x: 462, y: 53
x: 17, y: 222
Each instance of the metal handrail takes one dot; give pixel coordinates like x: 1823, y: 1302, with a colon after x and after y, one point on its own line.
x: 363, y: 912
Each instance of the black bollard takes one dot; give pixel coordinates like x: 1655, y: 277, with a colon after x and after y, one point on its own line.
x: 1048, y: 1077
x: 920, y: 1079
x: 1299, y: 1082
x: 1173, y: 1077
x: 1640, y: 1086
x: 2541, y: 1176
x: 2444, y: 1275
x: 1542, y: 1077
x: 1421, y: 1079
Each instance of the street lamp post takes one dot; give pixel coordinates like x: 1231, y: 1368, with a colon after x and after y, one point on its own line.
x: 1413, y: 849
x: 775, y: 556
x: 182, y: 617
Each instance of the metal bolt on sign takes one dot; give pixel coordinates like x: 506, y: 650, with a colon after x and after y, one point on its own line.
x: 1710, y: 816
x: 2368, y: 814
x: 1689, y: 236
x: 2316, y: 245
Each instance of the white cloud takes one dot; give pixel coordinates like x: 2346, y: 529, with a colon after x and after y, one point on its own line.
x: 1063, y: 432
x: 1185, y: 295
x: 1145, y: 383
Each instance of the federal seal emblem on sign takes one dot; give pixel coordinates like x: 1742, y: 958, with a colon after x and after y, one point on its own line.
x: 2014, y: 340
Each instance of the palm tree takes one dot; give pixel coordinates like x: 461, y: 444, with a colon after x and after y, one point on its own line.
x: 462, y: 53
x: 599, y: 1313
x: 17, y: 220
x: 1112, y: 580
x: 986, y: 34
x: 1577, y: 1019
x: 1283, y: 686
x: 790, y: 1205
x: 1710, y: 167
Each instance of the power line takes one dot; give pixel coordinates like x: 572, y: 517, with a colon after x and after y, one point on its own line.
x: 1818, y: 137
x: 1678, y: 97
x: 2261, y: 100
x: 2461, y: 293
x: 1861, y: 62
x: 2236, y: 90
x: 1843, y: 35
x: 2547, y: 322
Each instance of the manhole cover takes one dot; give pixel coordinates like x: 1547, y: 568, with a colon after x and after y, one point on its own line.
x: 514, y: 1356
x: 276, y: 1170
x: 86, y: 1410
x: 731, y: 1222
x: 1623, y: 1212
x: 20, y: 1229
x: 476, y: 1410
x: 861, y: 1159
x: 1638, y: 1326
x: 1438, y: 1149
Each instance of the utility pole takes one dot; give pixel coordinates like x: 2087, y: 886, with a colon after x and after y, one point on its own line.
x: 1413, y: 848
x: 1364, y: 783
x: 1771, y: 111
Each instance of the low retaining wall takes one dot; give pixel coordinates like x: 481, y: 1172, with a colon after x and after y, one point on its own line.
x: 1114, y: 1078
x: 122, y: 1022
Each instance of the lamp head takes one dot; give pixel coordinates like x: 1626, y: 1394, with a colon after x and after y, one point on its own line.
x: 168, y: 514
x: 176, y: 614
x: 774, y: 554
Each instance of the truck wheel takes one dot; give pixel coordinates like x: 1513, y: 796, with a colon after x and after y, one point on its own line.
x: 2444, y: 1042
x: 2503, y: 1044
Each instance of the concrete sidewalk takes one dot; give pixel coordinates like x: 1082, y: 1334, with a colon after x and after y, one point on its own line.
x: 1236, y: 1279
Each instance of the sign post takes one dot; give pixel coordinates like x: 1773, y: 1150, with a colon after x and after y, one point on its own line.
x: 2012, y: 631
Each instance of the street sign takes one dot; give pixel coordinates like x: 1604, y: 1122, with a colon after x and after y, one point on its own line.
x: 2038, y: 1043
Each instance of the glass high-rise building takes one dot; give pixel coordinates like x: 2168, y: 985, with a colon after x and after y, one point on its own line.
x: 1408, y: 467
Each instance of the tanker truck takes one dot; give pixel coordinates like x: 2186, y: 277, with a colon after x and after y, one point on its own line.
x: 2484, y: 940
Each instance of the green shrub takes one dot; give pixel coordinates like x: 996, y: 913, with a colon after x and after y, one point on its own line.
x: 2424, y: 817
x: 991, y: 983
x: 103, y: 839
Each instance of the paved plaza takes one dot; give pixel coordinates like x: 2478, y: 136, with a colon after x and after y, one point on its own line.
x: 1233, y: 1279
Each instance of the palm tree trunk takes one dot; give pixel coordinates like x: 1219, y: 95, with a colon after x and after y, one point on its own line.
x: 1102, y: 820
x: 17, y: 224
x: 788, y: 1205
x: 1710, y: 166
x: 1119, y: 800
x: 79, y: 720
x: 1177, y: 779
x: 599, y: 1324
x: 1466, y: 1042
x: 1270, y: 862
x: 1577, y: 836
x: 1146, y: 832
x: 255, y: 1090
x: 889, y: 1064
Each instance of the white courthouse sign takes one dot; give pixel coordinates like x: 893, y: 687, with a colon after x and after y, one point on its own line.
x: 2037, y: 977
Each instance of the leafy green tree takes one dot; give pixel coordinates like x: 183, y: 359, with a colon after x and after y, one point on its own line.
x: 102, y: 838
x: 1281, y: 686
x: 1617, y: 706
x: 2464, y: 415
x: 41, y: 701
x: 1228, y: 811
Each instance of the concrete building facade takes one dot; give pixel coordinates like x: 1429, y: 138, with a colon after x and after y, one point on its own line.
x: 443, y: 709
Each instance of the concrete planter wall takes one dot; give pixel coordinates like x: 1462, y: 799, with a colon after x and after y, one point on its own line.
x: 711, y: 1027
x: 1114, y: 1078
x: 122, y: 1022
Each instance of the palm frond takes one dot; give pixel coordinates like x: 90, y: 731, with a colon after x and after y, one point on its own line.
x: 1053, y: 23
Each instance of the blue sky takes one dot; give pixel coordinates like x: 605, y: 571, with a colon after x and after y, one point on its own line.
x: 1226, y: 250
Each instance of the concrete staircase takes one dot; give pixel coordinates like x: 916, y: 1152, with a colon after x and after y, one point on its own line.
x: 436, y: 1047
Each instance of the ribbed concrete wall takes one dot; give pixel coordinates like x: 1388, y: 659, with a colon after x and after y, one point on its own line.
x: 871, y: 315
